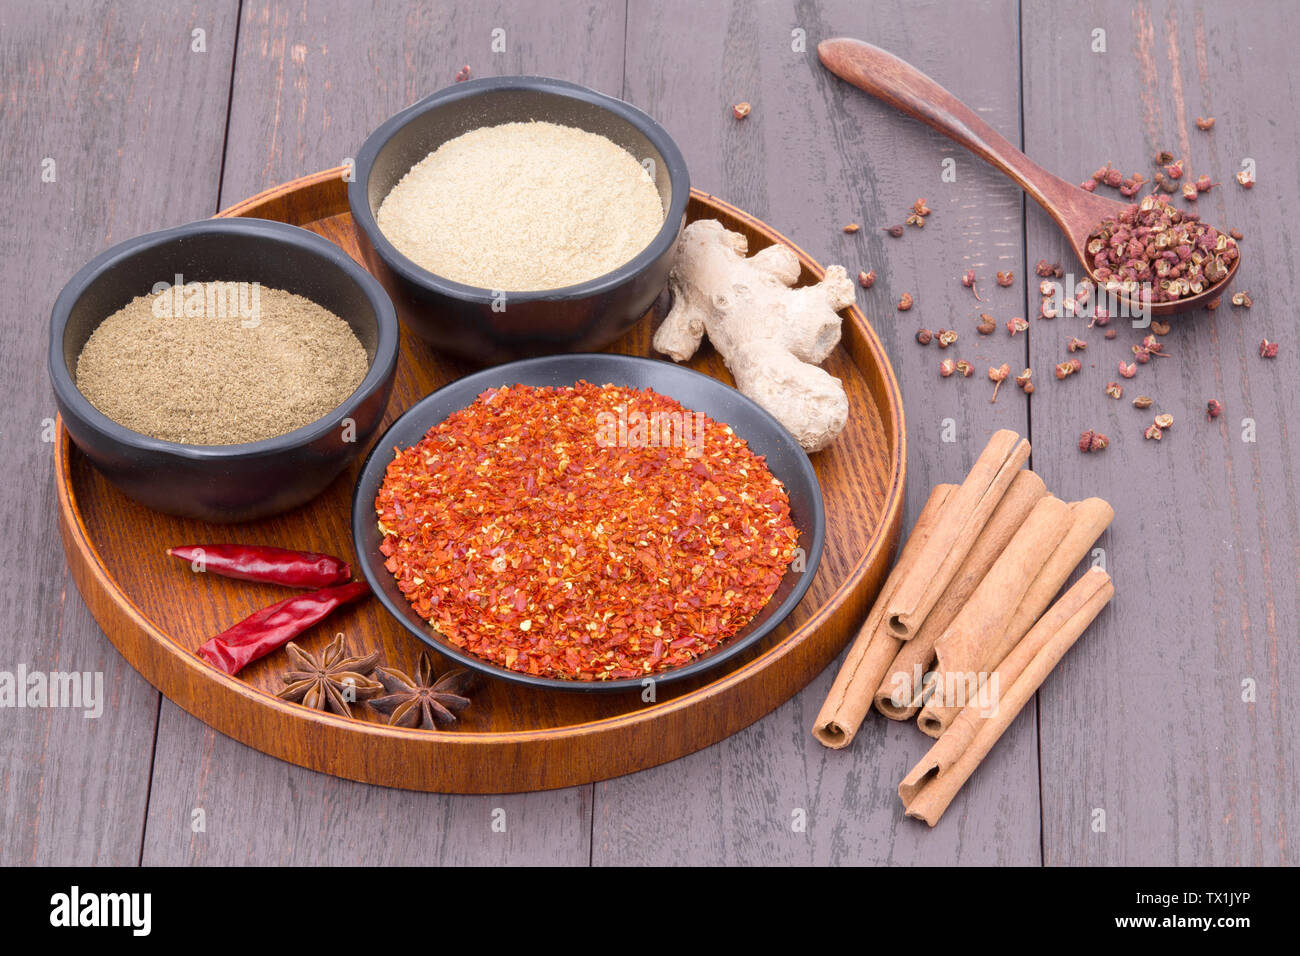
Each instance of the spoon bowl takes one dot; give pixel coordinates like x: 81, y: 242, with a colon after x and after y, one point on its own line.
x: 1075, y: 211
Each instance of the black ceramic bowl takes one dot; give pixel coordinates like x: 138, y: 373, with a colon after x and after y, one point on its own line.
x: 461, y: 318
x: 697, y: 392
x: 225, y: 482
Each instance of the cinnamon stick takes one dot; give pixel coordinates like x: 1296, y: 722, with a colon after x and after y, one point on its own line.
x: 873, y: 649
x: 959, y: 650
x: 970, y: 507
x: 896, y: 697
x: 1087, y: 520
x: 930, y: 787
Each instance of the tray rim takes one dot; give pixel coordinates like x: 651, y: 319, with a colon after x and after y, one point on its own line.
x: 174, y: 671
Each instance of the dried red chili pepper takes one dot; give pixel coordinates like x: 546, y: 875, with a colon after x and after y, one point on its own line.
x: 272, y: 627
x: 297, y: 569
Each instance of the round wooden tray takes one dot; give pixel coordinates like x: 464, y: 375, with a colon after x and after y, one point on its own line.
x: 513, y: 738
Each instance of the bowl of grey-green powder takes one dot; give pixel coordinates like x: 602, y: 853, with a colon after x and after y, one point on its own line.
x: 516, y: 216
x: 223, y: 370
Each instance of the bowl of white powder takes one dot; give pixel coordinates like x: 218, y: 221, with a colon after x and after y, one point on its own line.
x: 518, y: 216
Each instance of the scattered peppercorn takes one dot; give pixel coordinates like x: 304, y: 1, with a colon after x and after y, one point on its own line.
x: 1155, y: 347
x: 1242, y: 300
x: 1213, y: 304
x: 946, y: 338
x: 968, y: 280
x: 914, y: 220
x: 1189, y: 192
x: 924, y: 336
x: 1005, y: 279
x: 1153, y: 432
x: 1091, y: 441
x: 852, y: 228
x: 1245, y: 179
x: 1067, y: 368
x: 1111, y: 333
x: 1141, y: 355
x: 1236, y: 234
x: 1023, y: 379
x: 1016, y: 325
x: 1128, y: 371
x: 1204, y: 184
x: 1204, y: 122
x: 904, y: 302
x: 741, y: 110
x: 1164, y: 157
x: 1159, y: 328
x: 919, y: 208
x: 1114, y: 389
x: 1143, y: 401
x: 947, y: 367
x: 1089, y: 184
x: 1175, y: 170
x: 1113, y: 178
x: 965, y: 368
x: 1046, y: 310
x: 1164, y: 421
x: 895, y: 231
x: 1213, y: 408
x: 986, y: 324
x: 867, y: 279
x: 462, y: 74
x: 1267, y: 349
x: 1075, y: 345
x: 1046, y: 270
x: 997, y: 376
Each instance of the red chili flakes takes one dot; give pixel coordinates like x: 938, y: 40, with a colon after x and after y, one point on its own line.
x: 585, y: 532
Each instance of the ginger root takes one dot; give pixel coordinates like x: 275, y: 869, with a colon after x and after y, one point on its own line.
x: 770, y: 335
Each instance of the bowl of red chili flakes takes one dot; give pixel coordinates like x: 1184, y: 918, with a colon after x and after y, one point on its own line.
x: 587, y: 522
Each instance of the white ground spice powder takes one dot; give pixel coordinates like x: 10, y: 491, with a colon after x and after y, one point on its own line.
x: 523, y: 207
x: 220, y: 379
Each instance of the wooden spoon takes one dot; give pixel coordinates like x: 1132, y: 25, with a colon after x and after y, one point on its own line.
x: 1076, y: 211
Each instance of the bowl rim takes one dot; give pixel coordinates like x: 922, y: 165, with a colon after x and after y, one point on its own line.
x: 409, y: 271
x: 380, y: 455
x: 382, y: 366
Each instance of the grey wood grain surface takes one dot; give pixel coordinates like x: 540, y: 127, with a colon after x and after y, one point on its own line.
x: 1144, y: 720
x: 94, y: 90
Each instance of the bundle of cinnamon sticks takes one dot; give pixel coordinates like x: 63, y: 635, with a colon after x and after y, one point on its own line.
x: 964, y: 630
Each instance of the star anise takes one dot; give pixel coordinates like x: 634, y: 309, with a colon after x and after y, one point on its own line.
x: 334, y: 682
x: 423, y: 701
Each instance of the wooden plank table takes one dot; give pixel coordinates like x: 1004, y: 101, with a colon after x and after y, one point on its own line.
x: 1145, y: 721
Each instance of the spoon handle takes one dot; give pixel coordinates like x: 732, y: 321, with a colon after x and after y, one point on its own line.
x: 906, y: 88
